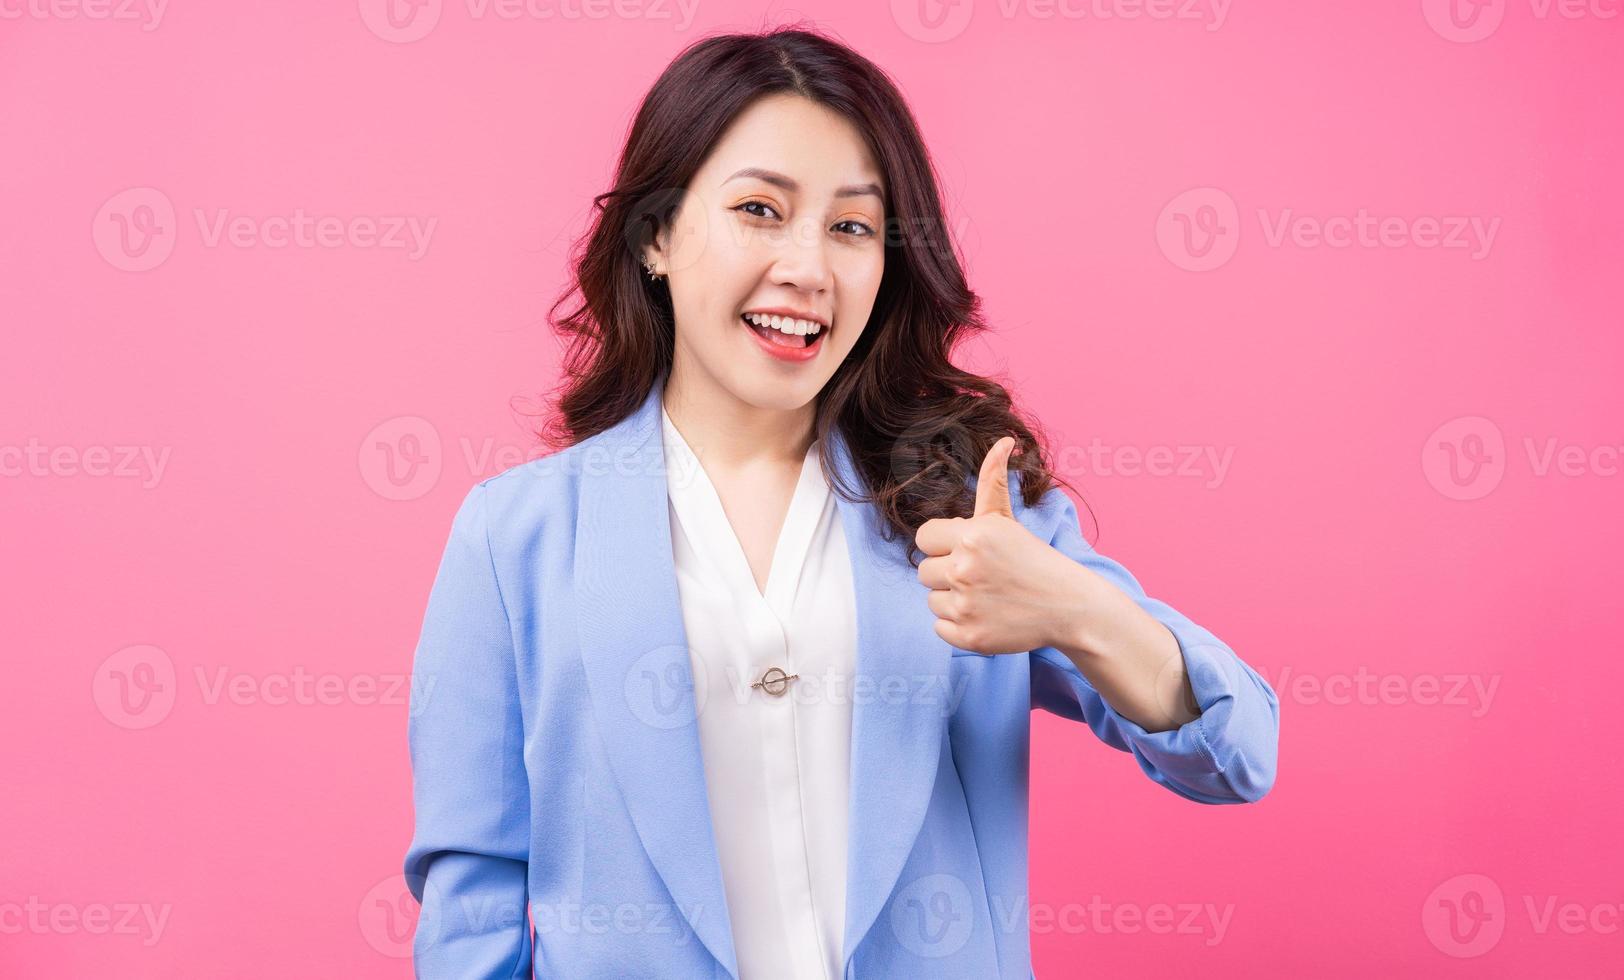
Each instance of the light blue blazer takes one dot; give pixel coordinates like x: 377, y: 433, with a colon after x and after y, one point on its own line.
x: 561, y: 816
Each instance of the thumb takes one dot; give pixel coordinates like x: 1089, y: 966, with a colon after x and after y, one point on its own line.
x: 992, y: 487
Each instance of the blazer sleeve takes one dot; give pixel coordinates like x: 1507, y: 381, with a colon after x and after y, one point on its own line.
x: 1227, y: 754
x: 467, y: 860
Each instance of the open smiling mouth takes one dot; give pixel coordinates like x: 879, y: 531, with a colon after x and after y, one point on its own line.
x: 761, y: 327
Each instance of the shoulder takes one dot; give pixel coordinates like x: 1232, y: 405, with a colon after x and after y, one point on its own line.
x: 515, y: 504
x: 1053, y: 514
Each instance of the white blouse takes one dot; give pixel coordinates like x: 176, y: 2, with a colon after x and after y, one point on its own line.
x: 777, y: 766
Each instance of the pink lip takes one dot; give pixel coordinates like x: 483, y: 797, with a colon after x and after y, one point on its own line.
x: 795, y: 355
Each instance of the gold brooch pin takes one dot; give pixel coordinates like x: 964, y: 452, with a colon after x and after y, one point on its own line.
x: 775, y: 681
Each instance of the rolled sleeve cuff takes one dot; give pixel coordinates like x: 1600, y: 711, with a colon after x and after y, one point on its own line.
x: 1224, y: 755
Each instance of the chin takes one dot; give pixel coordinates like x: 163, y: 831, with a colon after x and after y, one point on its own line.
x: 775, y: 395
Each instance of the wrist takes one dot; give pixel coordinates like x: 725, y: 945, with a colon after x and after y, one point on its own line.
x: 1075, y: 632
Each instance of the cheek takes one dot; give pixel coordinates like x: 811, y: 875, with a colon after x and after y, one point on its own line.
x: 859, y: 284
x: 861, y: 273
x: 701, y: 325
x: 847, y: 339
x: 729, y: 272
x: 689, y: 238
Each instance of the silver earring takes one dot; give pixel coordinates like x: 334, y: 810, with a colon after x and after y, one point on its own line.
x: 649, y: 267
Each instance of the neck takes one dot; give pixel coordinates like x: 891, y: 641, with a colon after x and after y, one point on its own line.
x: 726, y: 431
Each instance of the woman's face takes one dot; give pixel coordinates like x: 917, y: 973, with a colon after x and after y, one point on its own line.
x: 785, y: 214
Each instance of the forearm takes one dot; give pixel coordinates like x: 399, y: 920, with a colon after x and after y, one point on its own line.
x: 1126, y: 654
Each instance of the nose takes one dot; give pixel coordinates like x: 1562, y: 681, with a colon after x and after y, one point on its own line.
x: 803, y: 261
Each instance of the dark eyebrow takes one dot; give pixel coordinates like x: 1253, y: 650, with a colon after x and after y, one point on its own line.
x: 779, y: 180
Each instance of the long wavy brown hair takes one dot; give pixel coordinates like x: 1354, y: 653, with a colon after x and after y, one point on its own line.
x: 918, y: 427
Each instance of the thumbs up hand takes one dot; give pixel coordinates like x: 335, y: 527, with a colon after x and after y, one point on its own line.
x: 995, y: 586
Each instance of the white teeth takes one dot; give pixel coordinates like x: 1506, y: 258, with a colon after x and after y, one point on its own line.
x: 784, y: 324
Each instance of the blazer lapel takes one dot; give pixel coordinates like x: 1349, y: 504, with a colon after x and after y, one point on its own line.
x: 899, y: 711
x: 635, y: 653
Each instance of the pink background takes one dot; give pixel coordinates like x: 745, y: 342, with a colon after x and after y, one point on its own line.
x: 1474, y: 595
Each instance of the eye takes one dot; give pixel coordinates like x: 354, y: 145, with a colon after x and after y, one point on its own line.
x: 864, y: 231
x: 755, y: 204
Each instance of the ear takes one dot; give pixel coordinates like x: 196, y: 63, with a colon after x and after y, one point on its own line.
x: 654, y: 253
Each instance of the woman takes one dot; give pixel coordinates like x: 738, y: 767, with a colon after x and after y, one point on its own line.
x: 690, y: 704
